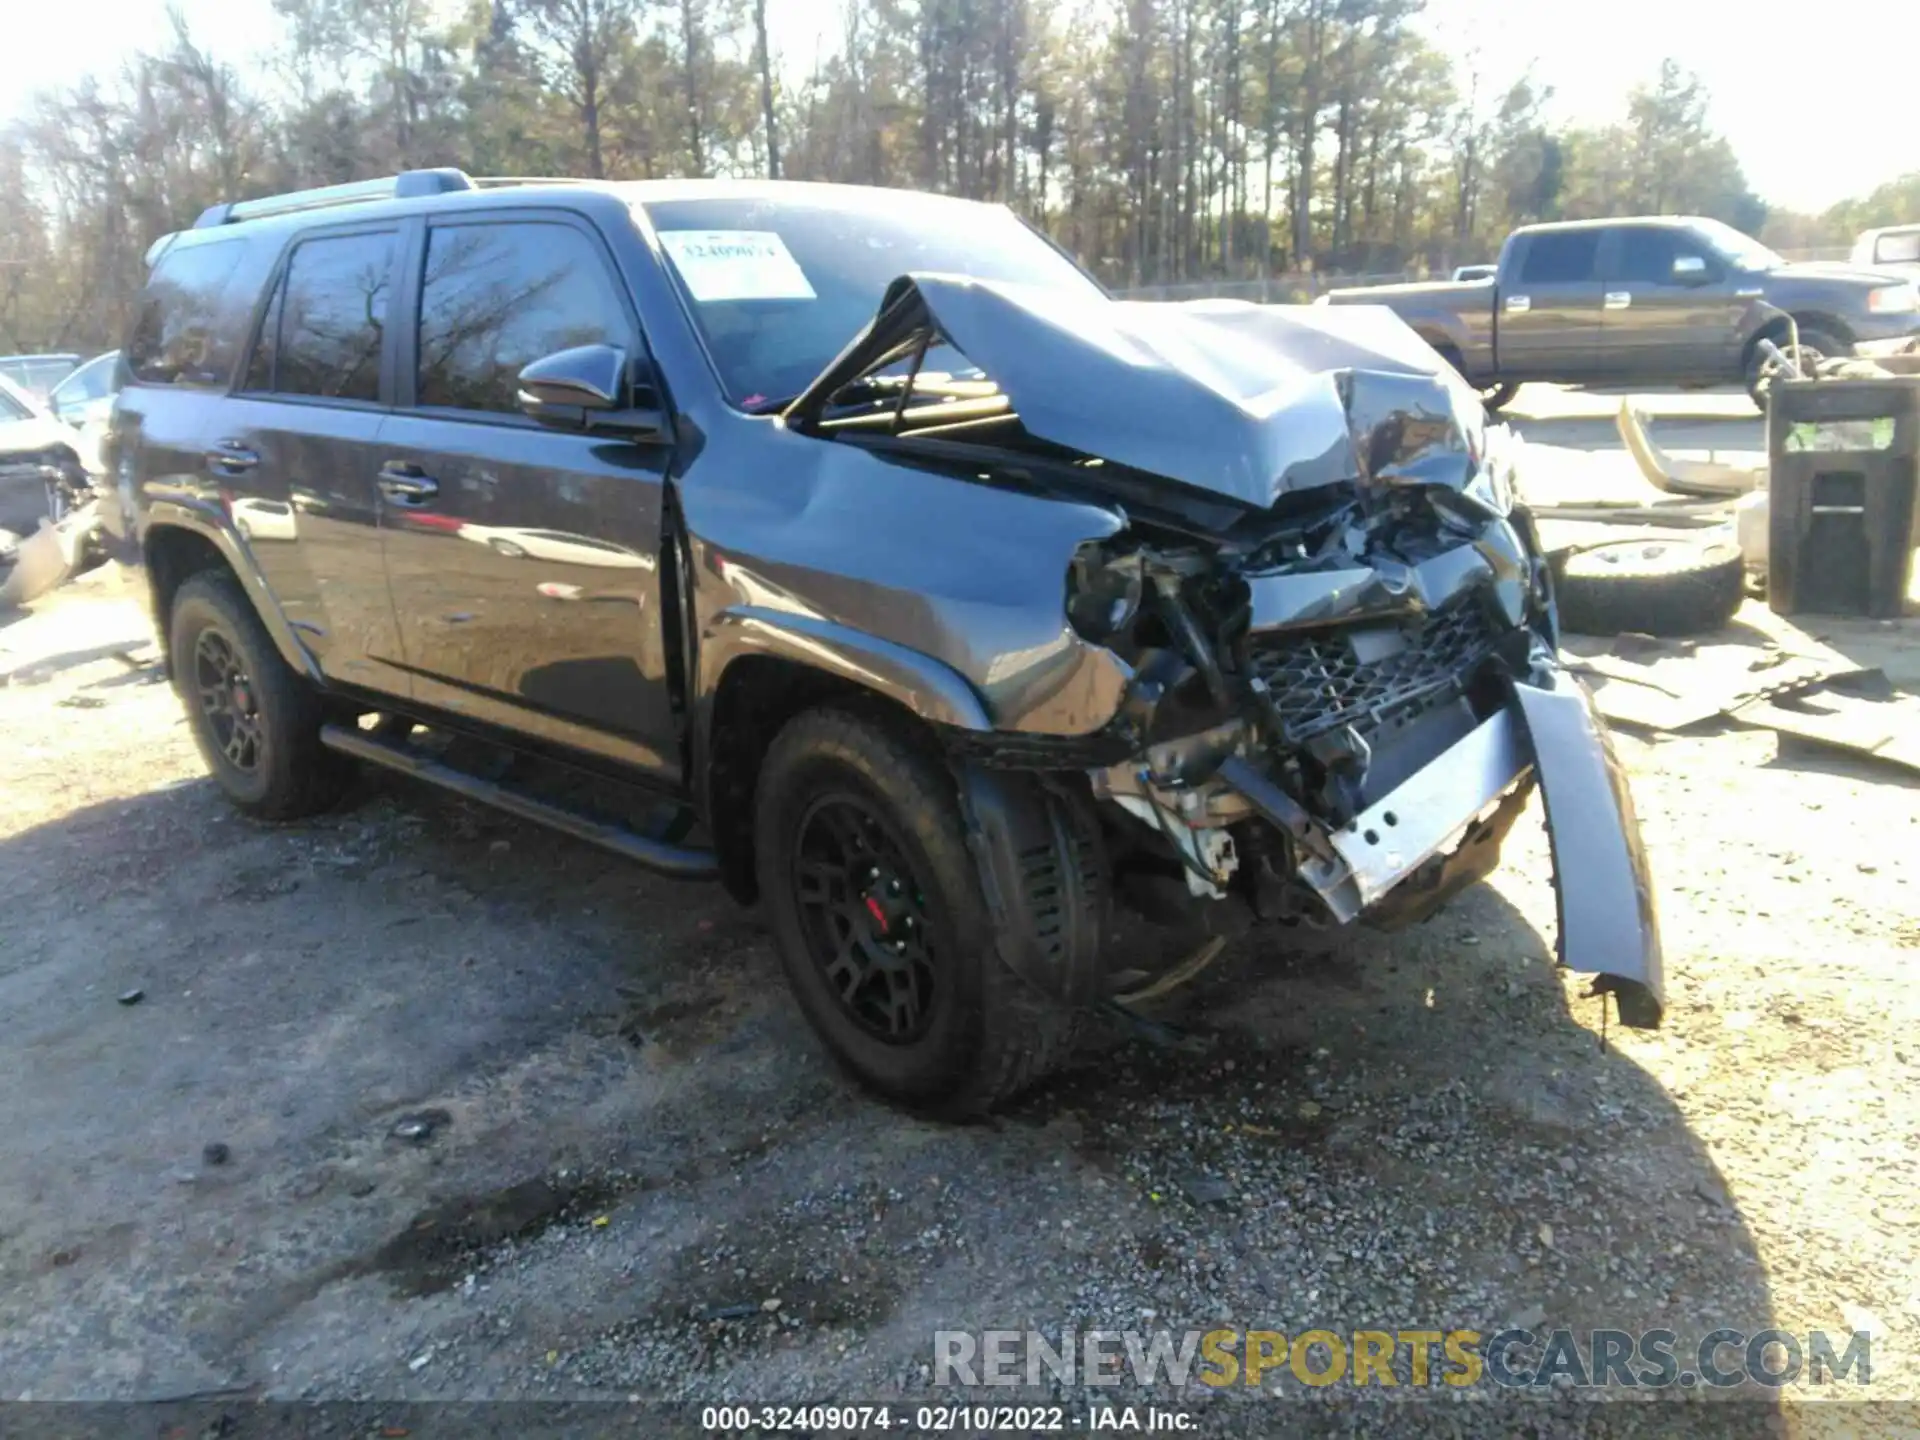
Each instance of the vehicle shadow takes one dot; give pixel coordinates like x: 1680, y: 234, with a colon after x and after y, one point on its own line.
x: 1673, y: 432
x: 1688, y: 421
x: 1382, y: 1132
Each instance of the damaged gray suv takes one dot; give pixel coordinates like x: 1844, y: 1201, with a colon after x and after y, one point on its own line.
x: 856, y: 549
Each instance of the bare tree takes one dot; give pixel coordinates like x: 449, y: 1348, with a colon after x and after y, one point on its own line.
x: 587, y: 38
x: 763, y: 57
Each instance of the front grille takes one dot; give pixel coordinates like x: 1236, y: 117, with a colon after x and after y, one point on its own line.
x: 1318, y: 684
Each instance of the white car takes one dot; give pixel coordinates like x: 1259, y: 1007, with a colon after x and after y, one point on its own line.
x: 84, y: 400
x: 1892, y: 247
x: 258, y: 519
x: 556, y: 545
x: 30, y: 440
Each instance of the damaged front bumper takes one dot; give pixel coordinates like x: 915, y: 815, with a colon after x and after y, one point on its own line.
x: 1440, y: 828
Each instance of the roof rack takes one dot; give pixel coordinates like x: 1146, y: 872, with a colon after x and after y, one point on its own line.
x: 408, y: 185
x: 494, y: 182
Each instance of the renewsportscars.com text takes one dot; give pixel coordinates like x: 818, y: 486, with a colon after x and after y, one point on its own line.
x: 1512, y: 1358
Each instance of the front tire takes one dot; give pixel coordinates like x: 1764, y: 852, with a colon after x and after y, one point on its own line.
x: 1815, y: 345
x: 883, y: 930
x: 256, y: 721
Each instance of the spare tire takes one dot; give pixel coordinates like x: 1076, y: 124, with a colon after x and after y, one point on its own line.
x: 1652, y: 585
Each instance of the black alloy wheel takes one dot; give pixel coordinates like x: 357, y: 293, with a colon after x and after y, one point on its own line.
x: 864, y: 915
x: 228, y: 703
x: 874, y: 896
x: 256, y: 722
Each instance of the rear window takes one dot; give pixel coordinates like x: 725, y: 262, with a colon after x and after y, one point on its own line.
x: 1560, y: 257
x: 177, y: 338
x: 1901, y: 249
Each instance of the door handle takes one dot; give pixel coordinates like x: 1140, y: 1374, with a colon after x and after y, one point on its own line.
x: 1519, y: 304
x: 230, y: 457
x: 1618, y: 299
x: 1751, y: 294
x: 406, y: 484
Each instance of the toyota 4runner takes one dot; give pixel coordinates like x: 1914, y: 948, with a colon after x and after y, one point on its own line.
x: 938, y: 601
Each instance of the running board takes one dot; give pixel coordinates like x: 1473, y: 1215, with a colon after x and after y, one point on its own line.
x: 667, y: 859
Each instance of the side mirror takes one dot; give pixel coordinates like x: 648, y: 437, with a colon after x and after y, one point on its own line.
x: 1689, y: 270
x: 586, y: 388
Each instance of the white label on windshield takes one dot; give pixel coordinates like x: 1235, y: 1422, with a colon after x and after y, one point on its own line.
x: 736, y: 265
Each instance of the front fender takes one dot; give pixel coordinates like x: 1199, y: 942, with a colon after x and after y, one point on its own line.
x: 922, y: 685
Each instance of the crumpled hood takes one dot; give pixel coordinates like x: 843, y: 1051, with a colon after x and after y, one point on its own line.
x: 1246, y: 401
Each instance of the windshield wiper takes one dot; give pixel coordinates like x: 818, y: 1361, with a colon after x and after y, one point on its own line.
x: 887, y: 387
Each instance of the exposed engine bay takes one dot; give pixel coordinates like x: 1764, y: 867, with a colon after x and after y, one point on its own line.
x: 1336, y: 625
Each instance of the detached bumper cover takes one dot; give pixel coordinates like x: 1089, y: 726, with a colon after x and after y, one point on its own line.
x: 1608, y: 924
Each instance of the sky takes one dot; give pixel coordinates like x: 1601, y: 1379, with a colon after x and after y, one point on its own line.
x: 1772, y: 66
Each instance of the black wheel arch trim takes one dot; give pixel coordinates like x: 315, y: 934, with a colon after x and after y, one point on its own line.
x: 917, y: 683
x: 206, y: 521
x: 1036, y: 849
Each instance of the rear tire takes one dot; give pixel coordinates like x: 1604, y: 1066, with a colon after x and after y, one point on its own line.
x: 256, y: 721
x: 860, y: 848
x: 1497, y: 397
x: 1494, y: 397
x: 1650, y: 586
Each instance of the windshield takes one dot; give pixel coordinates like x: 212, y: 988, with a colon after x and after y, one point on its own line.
x: 778, y: 287
x: 1739, y: 250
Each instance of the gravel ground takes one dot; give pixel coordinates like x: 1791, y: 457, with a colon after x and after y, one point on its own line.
x: 643, y: 1179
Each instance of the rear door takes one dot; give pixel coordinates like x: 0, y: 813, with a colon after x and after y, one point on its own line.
x: 524, y: 560
x: 294, y: 453
x: 1667, y: 310
x: 1549, y: 325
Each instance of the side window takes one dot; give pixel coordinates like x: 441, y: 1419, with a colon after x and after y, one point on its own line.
x: 496, y: 297
x: 332, y: 316
x: 12, y: 409
x: 1560, y: 257
x: 176, y: 337
x: 1646, y: 256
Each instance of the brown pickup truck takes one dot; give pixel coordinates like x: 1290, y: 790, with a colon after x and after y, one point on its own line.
x: 1663, y: 300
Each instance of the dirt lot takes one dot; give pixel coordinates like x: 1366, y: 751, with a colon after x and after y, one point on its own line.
x: 639, y: 1150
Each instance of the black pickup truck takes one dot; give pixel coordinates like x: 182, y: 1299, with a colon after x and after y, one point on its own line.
x: 1658, y: 300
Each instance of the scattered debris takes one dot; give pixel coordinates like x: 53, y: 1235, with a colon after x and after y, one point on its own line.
x: 1530, y: 1318
x: 133, y: 996
x: 1706, y: 478
x: 418, y: 1127
x: 81, y: 702
x: 1206, y: 1189
x: 1179, y: 974
x: 217, y: 1153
